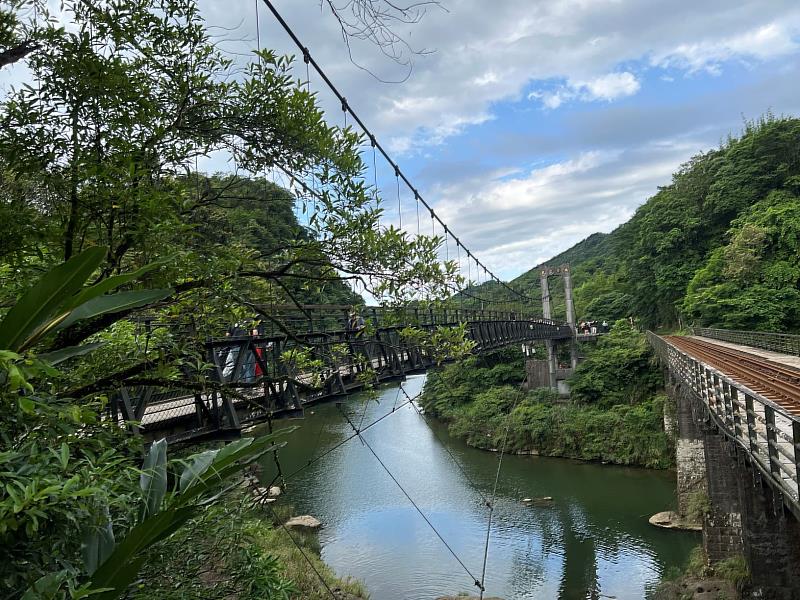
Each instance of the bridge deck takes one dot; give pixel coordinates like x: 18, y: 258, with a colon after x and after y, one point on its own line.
x: 778, y: 357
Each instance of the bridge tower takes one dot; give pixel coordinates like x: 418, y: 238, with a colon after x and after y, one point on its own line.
x: 547, y: 311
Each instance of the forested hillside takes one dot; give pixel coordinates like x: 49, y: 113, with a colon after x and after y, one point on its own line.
x: 718, y: 246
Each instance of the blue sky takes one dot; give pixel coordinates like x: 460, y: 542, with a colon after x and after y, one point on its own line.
x: 534, y: 123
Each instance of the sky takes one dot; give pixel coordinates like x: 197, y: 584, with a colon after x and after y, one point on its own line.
x: 530, y: 124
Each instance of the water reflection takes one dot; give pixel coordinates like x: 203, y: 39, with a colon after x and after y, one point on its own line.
x: 592, y: 541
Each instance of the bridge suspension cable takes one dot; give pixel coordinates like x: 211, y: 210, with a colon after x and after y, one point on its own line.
x: 464, y: 292
x: 376, y: 145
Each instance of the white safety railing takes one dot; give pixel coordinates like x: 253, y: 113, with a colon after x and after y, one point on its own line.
x: 767, y: 432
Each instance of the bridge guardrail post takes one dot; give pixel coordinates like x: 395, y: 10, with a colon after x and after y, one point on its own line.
x: 736, y: 409
x: 728, y: 402
x: 698, y: 382
x: 752, y: 434
x: 704, y: 386
x: 796, y: 448
x: 772, y: 441
x: 719, y: 400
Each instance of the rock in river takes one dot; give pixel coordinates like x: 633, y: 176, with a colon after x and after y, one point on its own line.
x: 304, y: 521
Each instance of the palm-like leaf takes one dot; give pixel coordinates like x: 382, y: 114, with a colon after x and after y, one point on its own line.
x: 153, y: 479
x: 202, y: 476
x: 112, y: 303
x: 34, y: 313
x: 59, y: 300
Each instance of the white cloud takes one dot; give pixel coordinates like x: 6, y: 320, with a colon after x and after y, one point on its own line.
x: 484, y: 57
x: 762, y: 43
x: 605, y: 87
x: 514, y: 222
x: 610, y: 87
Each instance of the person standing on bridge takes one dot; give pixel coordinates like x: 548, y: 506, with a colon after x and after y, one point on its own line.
x: 237, y: 331
x: 355, y: 324
x: 355, y: 328
x: 249, y: 368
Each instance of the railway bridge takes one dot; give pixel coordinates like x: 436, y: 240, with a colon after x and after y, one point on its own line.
x: 302, y: 355
x: 738, y: 450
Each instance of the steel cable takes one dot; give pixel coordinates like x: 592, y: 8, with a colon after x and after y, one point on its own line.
x: 413, y: 503
x: 371, y: 136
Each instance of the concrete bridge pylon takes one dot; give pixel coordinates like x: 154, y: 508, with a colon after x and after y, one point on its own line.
x: 553, y: 371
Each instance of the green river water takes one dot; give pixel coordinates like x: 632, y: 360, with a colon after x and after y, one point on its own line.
x: 592, y: 541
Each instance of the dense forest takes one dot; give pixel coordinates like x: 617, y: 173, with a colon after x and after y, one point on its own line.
x: 105, y: 218
x: 719, y: 246
x: 615, y: 413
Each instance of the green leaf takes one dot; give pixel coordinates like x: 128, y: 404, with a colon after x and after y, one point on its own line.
x: 196, y: 468
x: 98, y: 545
x: 114, y: 282
x: 122, y: 565
x: 64, y: 456
x: 27, y: 405
x: 123, y: 575
x: 57, y: 356
x: 113, y: 303
x: 46, y: 587
x: 153, y: 479
x: 40, y: 303
x: 229, y: 461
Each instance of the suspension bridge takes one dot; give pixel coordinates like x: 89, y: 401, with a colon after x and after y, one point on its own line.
x: 724, y: 382
x: 318, y: 356
x: 311, y: 352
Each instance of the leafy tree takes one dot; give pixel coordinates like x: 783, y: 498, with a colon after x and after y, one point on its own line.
x: 752, y: 282
x: 620, y: 370
x: 615, y: 414
x: 98, y: 175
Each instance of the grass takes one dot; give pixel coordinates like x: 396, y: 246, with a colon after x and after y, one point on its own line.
x: 680, y: 585
x: 697, y: 506
x: 734, y: 570
x: 237, y: 552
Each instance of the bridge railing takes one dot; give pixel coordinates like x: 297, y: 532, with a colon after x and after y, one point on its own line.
x: 765, y: 431
x: 785, y: 343
x: 333, y: 317
x: 251, y: 376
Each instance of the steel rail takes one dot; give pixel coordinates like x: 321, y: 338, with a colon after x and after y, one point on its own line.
x: 779, y: 383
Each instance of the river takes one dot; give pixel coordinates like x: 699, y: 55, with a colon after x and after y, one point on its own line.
x: 593, y: 540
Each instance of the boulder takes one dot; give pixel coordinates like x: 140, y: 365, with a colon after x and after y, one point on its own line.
x: 304, y: 521
x: 274, y: 491
x: 672, y: 520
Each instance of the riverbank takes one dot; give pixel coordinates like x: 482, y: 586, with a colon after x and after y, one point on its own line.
x: 237, y: 550
x: 615, y: 415
x: 726, y: 580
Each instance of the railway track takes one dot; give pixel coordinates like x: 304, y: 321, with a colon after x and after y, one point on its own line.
x: 776, y: 382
